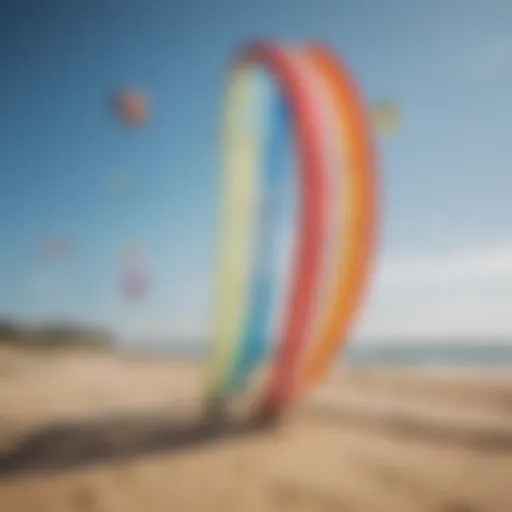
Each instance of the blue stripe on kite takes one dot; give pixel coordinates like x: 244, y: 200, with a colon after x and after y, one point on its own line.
x: 253, y: 346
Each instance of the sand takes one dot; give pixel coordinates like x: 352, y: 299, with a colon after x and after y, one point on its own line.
x: 367, y: 440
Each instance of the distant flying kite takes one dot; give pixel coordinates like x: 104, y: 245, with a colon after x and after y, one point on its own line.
x: 124, y: 186
x: 56, y: 248
x: 130, y: 107
x: 385, y: 117
x: 134, y: 283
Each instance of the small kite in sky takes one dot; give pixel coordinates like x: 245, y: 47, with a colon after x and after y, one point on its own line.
x: 385, y: 116
x: 130, y: 107
x: 56, y: 248
x: 134, y: 283
x: 124, y: 186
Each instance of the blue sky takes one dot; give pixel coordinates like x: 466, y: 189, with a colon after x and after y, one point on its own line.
x: 445, y: 258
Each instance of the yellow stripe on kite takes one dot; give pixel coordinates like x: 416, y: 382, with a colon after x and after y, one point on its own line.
x: 240, y: 153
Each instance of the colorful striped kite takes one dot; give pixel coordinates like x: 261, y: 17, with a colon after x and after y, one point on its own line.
x: 295, y: 108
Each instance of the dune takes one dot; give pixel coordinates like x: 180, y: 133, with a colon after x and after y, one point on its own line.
x: 369, y: 439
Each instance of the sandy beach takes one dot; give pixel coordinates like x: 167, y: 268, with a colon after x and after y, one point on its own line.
x: 369, y: 439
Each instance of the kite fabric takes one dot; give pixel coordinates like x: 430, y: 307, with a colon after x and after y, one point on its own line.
x: 305, y: 95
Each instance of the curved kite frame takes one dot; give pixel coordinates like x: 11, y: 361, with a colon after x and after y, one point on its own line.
x: 356, y: 232
x: 306, y: 267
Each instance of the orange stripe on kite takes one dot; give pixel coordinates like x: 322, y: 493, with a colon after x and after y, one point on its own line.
x: 355, y: 250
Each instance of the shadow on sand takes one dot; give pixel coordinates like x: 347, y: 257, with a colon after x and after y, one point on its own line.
x: 63, y: 446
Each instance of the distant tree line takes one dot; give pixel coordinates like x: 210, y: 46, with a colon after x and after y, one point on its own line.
x: 51, y: 335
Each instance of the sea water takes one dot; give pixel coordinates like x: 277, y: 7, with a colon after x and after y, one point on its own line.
x: 431, y: 354
x: 436, y: 353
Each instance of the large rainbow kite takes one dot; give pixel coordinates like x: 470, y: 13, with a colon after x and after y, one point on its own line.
x: 298, y: 109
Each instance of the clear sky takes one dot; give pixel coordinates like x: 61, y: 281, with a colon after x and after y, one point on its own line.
x: 444, y: 266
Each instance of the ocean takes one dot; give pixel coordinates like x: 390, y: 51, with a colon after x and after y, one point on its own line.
x: 418, y: 353
x: 433, y: 354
